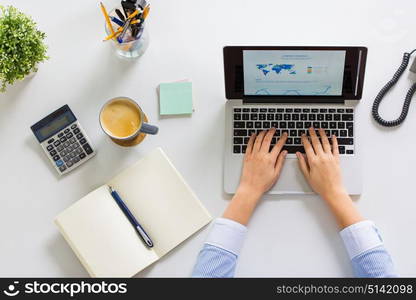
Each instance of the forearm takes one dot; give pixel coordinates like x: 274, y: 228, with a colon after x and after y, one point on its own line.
x: 242, y: 206
x: 364, y: 245
x: 343, y: 208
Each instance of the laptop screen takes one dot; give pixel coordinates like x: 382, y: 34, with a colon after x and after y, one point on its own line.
x: 293, y: 72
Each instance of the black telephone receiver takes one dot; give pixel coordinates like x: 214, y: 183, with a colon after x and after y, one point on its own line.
x: 388, y: 86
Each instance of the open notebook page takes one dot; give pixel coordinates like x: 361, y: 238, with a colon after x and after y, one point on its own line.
x: 161, y: 201
x: 103, y: 238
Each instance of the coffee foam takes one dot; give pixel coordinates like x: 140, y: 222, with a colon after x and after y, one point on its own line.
x: 121, y: 118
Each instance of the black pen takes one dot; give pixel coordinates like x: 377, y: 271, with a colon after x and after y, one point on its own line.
x: 120, y: 15
x: 142, y: 233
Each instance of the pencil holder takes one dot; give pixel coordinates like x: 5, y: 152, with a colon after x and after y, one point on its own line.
x: 131, y: 47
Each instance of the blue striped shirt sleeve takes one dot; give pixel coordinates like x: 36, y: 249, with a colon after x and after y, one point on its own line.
x: 366, y: 250
x: 218, y: 257
x: 362, y: 240
x: 214, y: 262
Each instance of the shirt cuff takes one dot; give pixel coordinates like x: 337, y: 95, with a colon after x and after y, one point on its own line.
x: 228, y: 235
x: 360, y: 237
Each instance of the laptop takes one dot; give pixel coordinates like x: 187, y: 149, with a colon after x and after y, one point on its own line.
x: 292, y: 89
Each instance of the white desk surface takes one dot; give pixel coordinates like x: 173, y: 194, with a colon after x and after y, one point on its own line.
x: 288, y: 235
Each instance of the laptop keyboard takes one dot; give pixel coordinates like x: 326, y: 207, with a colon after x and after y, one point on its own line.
x: 295, y: 121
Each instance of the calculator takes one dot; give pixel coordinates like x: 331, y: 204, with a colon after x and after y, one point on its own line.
x: 63, y: 140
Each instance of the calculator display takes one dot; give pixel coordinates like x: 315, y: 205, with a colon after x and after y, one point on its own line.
x: 55, y: 125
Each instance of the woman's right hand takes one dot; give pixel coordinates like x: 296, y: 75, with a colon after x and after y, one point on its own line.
x: 323, y: 172
x: 321, y: 165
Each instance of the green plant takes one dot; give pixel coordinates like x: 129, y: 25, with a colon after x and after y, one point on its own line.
x: 21, y: 46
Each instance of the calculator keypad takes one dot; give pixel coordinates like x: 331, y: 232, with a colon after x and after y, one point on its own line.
x: 68, y: 148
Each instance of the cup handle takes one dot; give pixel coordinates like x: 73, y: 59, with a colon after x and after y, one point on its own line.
x: 149, y: 129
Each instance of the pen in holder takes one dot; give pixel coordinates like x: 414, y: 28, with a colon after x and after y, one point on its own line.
x: 128, y: 42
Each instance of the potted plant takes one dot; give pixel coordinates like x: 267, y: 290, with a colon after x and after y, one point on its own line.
x: 22, y: 46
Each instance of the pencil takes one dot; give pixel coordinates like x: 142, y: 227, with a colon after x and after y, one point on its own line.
x: 132, y: 15
x: 119, y: 30
x: 107, y: 18
x: 113, y: 35
x: 146, y: 11
x: 124, y: 30
x: 135, y: 22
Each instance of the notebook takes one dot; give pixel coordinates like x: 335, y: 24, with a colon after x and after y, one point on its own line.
x: 175, y: 98
x: 105, y: 241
